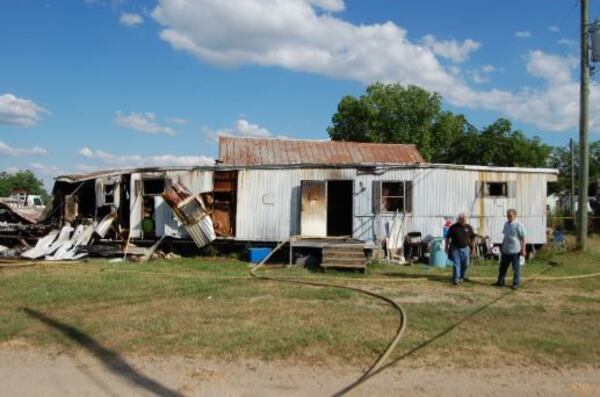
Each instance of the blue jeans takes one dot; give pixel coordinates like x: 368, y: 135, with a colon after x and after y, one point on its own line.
x: 460, y: 257
x: 505, y: 261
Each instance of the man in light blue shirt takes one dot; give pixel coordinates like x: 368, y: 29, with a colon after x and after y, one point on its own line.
x: 513, y: 246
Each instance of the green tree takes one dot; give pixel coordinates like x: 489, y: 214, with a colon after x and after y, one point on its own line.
x: 21, y: 180
x: 453, y: 139
x: 391, y: 113
x: 560, y: 158
x: 388, y: 113
x: 499, y: 145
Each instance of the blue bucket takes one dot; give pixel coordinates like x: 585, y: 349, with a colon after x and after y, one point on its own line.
x: 255, y: 255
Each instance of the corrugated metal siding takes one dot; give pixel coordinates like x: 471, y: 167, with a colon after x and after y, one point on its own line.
x: 280, y: 218
x: 256, y: 151
x: 198, y: 181
x: 437, y: 193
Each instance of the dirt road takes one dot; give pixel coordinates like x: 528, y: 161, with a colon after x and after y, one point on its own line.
x: 27, y: 371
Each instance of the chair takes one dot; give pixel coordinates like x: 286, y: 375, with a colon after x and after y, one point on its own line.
x: 414, y: 245
x: 478, y: 253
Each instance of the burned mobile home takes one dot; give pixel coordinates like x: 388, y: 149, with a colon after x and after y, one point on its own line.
x: 270, y: 190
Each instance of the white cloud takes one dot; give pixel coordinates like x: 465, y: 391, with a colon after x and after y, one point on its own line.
x: 240, y: 128
x: 131, y: 20
x: 46, y: 170
x: 294, y: 35
x: 555, y: 107
x: 80, y: 167
x: 136, y: 160
x: 568, y: 42
x: 553, y: 28
x: 11, y: 170
x: 18, y: 111
x: 451, y: 49
x: 482, y: 75
x: 7, y: 150
x: 329, y: 5
x: 143, y: 122
x: 523, y: 34
x: 553, y: 68
x: 178, y: 120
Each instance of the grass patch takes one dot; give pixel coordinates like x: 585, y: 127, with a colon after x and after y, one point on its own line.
x: 211, y: 307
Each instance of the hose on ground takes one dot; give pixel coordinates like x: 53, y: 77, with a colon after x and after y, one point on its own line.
x: 402, y: 314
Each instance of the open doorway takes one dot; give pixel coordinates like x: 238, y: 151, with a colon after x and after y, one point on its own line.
x: 224, y: 202
x: 339, y: 208
x: 152, y: 189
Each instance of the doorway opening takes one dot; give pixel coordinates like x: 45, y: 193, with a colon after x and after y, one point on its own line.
x: 339, y: 208
x: 152, y: 190
x: 225, y: 202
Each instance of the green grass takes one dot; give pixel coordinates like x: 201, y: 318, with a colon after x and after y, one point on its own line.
x: 212, y: 308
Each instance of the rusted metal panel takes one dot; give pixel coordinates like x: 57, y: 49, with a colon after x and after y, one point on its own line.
x: 24, y: 215
x: 313, y: 213
x: 192, y: 212
x: 256, y: 151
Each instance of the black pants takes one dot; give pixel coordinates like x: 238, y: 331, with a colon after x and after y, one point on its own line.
x: 505, y: 261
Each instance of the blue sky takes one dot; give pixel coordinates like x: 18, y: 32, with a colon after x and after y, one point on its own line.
x: 87, y: 84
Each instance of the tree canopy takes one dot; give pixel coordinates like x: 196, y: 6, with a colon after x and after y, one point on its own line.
x: 21, y: 180
x: 560, y: 158
x: 392, y: 113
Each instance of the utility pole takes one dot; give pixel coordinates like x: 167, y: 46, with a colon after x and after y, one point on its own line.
x: 582, y: 219
x: 572, y: 148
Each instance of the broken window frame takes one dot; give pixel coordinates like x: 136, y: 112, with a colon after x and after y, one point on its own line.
x: 486, y: 189
x: 152, y: 181
x: 379, y: 198
x: 109, y: 193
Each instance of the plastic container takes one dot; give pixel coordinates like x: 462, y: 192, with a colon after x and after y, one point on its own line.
x: 255, y: 255
x: 438, y: 256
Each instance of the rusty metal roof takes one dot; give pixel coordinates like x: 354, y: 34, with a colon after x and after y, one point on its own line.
x: 259, y: 151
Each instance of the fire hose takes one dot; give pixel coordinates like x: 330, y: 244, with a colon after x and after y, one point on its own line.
x: 378, y: 365
x: 402, y: 314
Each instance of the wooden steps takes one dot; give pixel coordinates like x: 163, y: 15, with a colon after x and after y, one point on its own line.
x: 351, y: 256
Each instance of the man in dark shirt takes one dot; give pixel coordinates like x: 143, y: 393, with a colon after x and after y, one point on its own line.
x: 461, y: 241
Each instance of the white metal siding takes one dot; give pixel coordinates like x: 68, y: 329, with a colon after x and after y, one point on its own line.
x: 135, y: 206
x: 197, y: 181
x: 437, y: 193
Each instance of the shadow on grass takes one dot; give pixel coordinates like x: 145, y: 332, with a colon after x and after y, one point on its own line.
x: 110, y: 359
x: 435, y: 337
